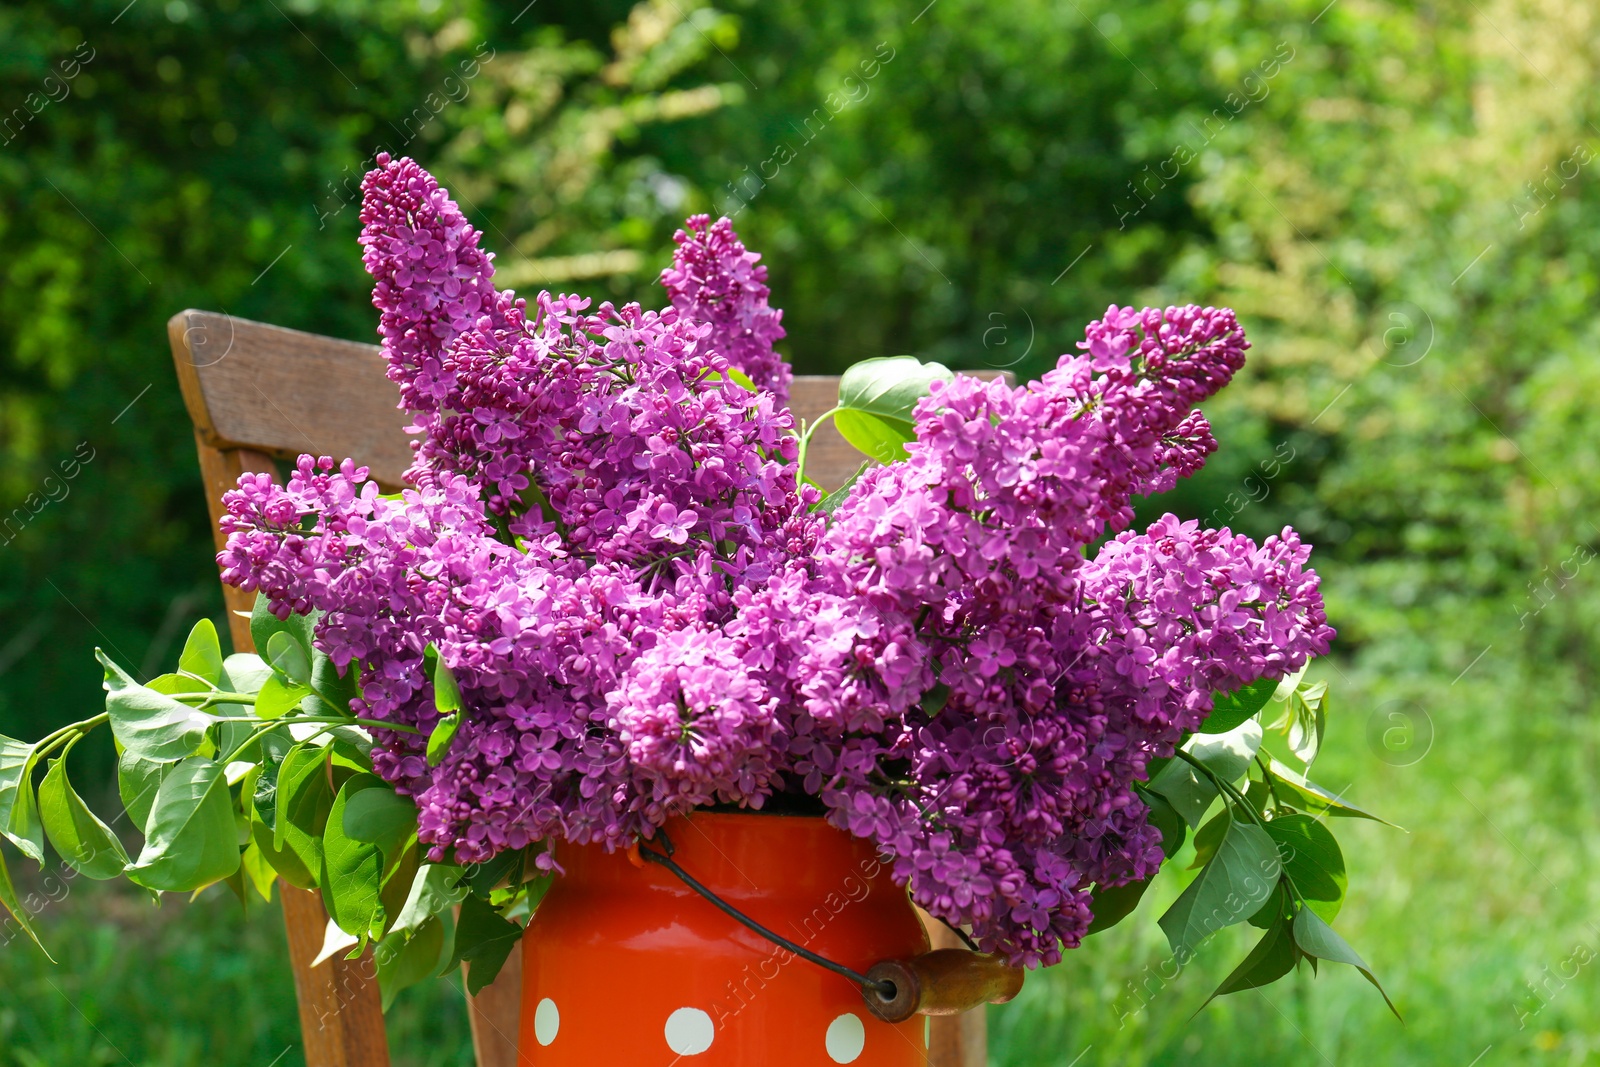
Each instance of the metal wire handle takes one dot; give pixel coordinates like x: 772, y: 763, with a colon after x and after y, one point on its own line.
x: 884, y: 989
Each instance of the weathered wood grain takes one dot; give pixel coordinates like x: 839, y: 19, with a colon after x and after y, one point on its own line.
x: 283, y: 392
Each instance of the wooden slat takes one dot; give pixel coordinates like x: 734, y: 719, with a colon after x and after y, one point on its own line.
x: 955, y: 1040
x: 283, y: 392
x: 341, y: 1016
x: 496, y: 1015
x: 830, y: 461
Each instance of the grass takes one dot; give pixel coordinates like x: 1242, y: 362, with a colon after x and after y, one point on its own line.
x: 182, y: 985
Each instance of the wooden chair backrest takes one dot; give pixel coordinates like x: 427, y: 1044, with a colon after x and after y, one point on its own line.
x: 259, y: 393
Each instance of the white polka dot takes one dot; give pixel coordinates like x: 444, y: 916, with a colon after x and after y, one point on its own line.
x: 546, y: 1021
x: 846, y: 1038
x: 689, y: 1031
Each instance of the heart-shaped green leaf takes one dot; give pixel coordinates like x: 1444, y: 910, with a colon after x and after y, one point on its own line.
x: 1189, y: 792
x: 1273, y: 957
x: 192, y: 839
x: 1312, y: 860
x: 202, y: 653
x: 1227, y: 890
x: 878, y: 436
x: 82, y: 839
x: 1227, y: 755
x: 403, y: 961
x: 279, y: 697
x: 379, y: 817
x: 1316, y: 938
x: 889, y: 386
x: 1228, y: 710
x: 484, y: 939
x: 9, y: 901
x: 137, y: 782
x: 19, y: 813
x: 151, y: 725
x: 353, y: 870
x: 289, y: 658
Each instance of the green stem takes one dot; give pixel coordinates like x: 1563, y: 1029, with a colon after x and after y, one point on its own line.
x: 1266, y: 779
x: 53, y: 740
x: 1225, y: 788
x: 805, y: 443
x: 389, y: 726
x: 249, y: 740
x: 211, y: 700
x: 328, y: 722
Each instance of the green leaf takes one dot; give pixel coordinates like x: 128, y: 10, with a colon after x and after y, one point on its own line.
x: 1278, y: 908
x: 149, y: 724
x: 1189, y: 792
x: 277, y: 697
x: 1227, y: 755
x: 882, y: 438
x: 501, y: 870
x: 305, y: 798
x: 1316, y: 938
x: 484, y: 938
x: 202, y: 653
x: 1312, y: 860
x: 1227, y: 890
x: 264, y: 792
x: 444, y: 732
x: 401, y: 861
x: 257, y: 867
x: 1273, y: 957
x: 446, y: 693
x: 435, y: 887
x: 379, y: 817
x: 353, y: 869
x: 1208, y: 837
x: 830, y: 503
x: 1228, y: 710
x: 192, y: 839
x: 889, y: 386
x: 405, y: 961
x: 19, y: 812
x: 1111, y: 906
x: 175, y: 684
x: 244, y: 672
x: 263, y: 624
x: 1164, y: 817
x: 739, y: 378
x: 289, y: 658
x: 1309, y: 722
x: 1314, y: 798
x: 82, y: 839
x: 284, y: 861
x: 331, y: 692
x: 9, y: 901
x: 137, y: 782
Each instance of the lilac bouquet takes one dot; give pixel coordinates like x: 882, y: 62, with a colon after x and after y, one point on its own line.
x: 608, y: 543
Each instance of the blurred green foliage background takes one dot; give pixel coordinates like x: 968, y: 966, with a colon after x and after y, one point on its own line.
x: 1400, y: 199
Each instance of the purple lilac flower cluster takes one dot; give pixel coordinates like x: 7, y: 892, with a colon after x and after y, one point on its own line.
x: 714, y: 279
x: 605, y: 540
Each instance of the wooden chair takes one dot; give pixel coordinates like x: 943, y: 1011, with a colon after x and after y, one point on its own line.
x: 259, y: 393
